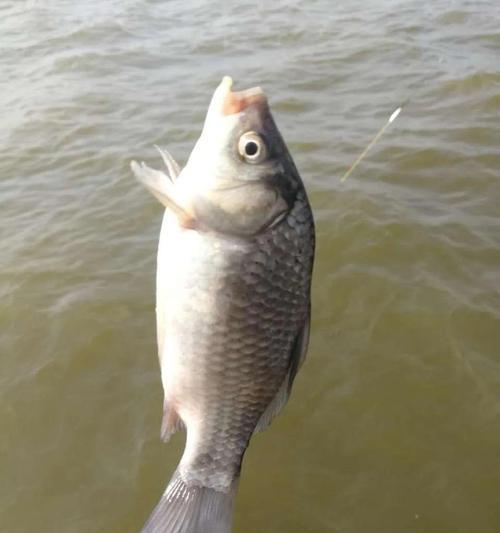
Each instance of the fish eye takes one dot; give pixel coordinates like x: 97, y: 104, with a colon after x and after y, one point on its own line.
x: 252, y: 148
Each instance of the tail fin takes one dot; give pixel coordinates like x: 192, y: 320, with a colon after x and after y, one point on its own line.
x: 195, y: 509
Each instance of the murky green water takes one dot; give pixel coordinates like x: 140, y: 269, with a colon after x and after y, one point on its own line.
x: 394, y: 425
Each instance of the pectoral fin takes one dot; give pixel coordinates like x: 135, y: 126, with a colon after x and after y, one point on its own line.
x: 163, y: 189
x: 172, y: 166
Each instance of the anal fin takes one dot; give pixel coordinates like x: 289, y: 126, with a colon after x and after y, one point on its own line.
x: 171, y: 422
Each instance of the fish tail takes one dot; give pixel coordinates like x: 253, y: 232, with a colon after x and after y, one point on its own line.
x: 192, y: 509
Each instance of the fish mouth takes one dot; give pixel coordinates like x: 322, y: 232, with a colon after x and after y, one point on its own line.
x: 229, y: 102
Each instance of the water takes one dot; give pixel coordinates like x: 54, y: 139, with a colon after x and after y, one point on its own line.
x: 394, y: 423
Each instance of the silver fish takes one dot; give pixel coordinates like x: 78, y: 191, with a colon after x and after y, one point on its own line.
x: 234, y: 273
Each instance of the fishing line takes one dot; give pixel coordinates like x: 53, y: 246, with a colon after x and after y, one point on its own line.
x: 390, y: 120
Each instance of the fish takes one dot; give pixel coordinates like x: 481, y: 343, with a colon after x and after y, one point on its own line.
x: 233, y: 300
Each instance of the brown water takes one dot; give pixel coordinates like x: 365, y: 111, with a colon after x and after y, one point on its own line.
x: 394, y: 425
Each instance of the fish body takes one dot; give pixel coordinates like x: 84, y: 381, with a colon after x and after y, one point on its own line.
x: 233, y: 301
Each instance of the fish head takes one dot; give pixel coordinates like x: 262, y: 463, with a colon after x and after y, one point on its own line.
x: 240, y: 177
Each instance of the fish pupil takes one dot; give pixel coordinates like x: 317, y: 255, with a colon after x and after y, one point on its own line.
x: 251, y: 148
